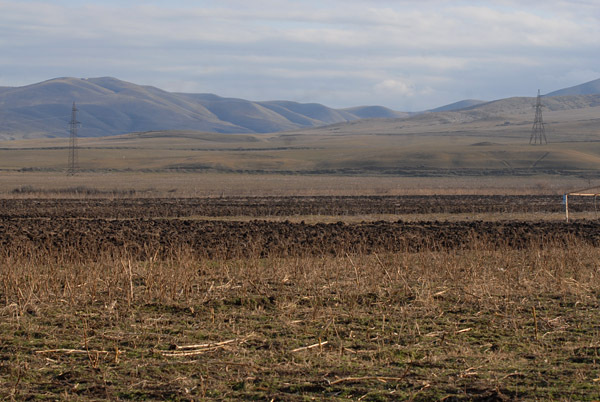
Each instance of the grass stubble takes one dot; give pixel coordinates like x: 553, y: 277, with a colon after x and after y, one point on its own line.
x: 483, y: 323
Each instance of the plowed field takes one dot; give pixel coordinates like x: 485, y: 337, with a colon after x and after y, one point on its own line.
x: 284, y: 206
x: 144, y: 228
x: 292, y: 299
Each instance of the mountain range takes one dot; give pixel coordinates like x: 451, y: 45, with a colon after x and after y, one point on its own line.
x: 108, y: 106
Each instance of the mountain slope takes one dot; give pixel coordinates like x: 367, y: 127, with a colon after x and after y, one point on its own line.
x: 108, y: 106
x: 463, y: 104
x: 369, y: 112
x: 270, y: 116
x: 511, y: 116
x: 588, y: 88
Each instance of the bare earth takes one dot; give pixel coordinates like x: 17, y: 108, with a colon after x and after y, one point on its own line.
x: 117, y: 297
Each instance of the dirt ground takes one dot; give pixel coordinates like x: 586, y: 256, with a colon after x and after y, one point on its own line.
x: 214, y: 299
x: 145, y: 227
x: 285, y: 206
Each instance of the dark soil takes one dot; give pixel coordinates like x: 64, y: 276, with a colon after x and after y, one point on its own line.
x: 143, y: 228
x: 285, y: 206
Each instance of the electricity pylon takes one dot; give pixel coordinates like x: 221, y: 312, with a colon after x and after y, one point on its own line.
x: 73, y: 124
x: 538, y: 133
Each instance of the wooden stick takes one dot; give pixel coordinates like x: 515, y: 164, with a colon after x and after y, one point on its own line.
x: 71, y: 351
x: 316, y: 345
x: 358, y: 379
x: 205, y: 345
x: 516, y: 373
x: 178, y: 353
x: 192, y: 350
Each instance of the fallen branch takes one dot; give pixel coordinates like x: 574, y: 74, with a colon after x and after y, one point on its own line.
x: 444, y: 333
x: 515, y: 374
x: 359, y: 379
x: 192, y: 350
x: 309, y: 347
x: 71, y: 351
x: 177, y: 353
x: 205, y: 345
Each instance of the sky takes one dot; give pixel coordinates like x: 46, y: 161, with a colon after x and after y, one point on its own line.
x: 405, y: 55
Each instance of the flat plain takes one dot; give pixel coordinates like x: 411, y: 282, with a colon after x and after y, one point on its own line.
x: 487, y: 140
x: 421, y: 259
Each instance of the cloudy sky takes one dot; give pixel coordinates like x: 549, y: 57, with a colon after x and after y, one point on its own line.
x: 407, y: 55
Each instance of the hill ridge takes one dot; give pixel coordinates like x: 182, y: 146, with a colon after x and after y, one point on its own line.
x: 109, y: 106
x: 587, y: 88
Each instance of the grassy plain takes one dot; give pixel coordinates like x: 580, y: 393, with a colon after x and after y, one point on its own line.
x: 483, y: 150
x: 32, y: 184
x: 207, y: 165
x: 481, y: 323
x: 425, y: 155
x: 478, y: 324
x: 491, y: 140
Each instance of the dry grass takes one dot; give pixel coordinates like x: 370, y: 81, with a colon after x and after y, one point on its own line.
x: 374, y: 147
x: 471, y: 324
x: 153, y: 184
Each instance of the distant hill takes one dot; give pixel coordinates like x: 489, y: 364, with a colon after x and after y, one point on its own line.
x: 588, y: 88
x: 369, y: 112
x: 458, y: 105
x: 108, y: 106
x: 512, y: 116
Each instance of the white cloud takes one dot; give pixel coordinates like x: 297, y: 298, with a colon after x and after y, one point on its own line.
x: 396, y: 87
x: 344, y: 52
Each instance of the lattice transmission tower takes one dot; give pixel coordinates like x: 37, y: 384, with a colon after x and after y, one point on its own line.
x: 538, y: 133
x: 73, y: 124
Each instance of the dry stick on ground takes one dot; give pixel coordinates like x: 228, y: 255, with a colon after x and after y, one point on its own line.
x: 71, y: 351
x: 309, y: 347
x: 192, y: 350
x: 370, y: 378
x: 205, y: 345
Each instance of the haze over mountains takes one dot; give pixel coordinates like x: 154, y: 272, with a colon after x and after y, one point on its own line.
x: 108, y: 106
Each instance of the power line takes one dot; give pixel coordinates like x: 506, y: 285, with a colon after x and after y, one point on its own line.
x: 73, y: 124
x: 538, y: 132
